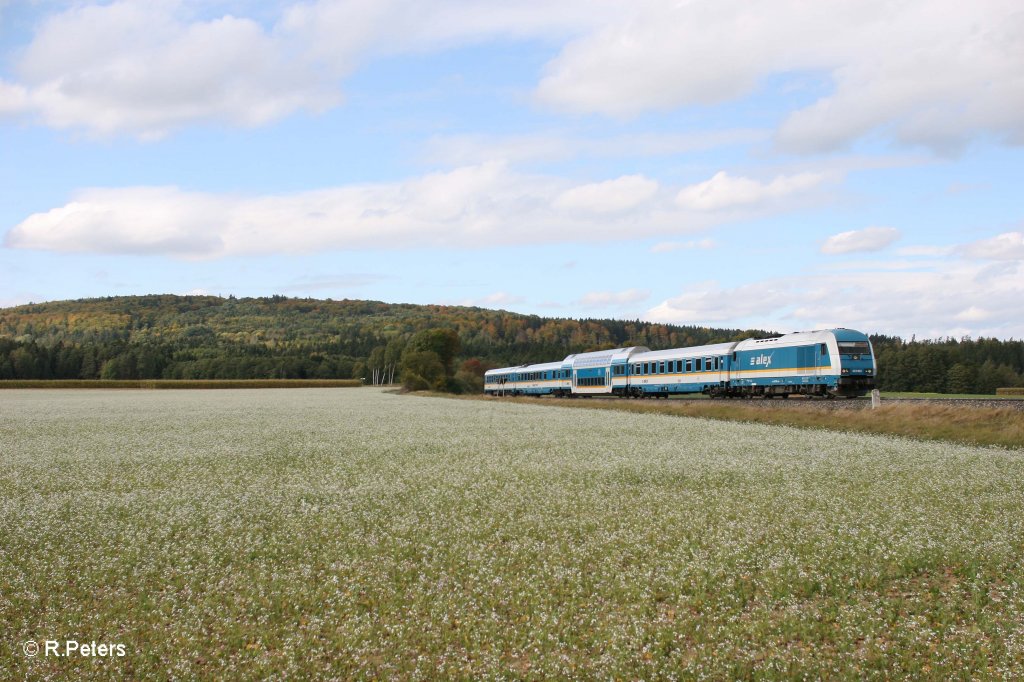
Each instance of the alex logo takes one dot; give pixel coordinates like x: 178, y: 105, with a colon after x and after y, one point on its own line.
x: 761, y: 361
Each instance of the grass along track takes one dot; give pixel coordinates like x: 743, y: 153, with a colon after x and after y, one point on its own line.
x: 356, y: 535
x: 930, y: 420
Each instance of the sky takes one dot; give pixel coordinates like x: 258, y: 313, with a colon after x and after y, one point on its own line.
x: 783, y: 165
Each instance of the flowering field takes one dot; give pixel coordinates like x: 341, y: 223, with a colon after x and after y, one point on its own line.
x: 350, y: 533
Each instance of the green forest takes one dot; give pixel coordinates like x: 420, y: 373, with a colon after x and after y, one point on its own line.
x: 423, y: 346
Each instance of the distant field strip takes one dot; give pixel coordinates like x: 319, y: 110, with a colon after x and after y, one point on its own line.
x: 181, y: 383
x: 356, y: 534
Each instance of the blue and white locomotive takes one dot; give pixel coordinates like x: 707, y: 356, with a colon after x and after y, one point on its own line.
x: 827, y: 363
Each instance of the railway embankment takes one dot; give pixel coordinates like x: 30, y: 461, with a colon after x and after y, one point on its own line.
x: 997, y: 422
x: 865, y: 403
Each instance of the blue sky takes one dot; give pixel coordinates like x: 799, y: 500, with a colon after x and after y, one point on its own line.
x: 784, y: 165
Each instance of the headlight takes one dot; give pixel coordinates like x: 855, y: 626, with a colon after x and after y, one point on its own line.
x: 846, y: 371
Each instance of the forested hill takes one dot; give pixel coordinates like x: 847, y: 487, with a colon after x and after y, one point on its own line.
x: 185, y: 337
x: 194, y: 337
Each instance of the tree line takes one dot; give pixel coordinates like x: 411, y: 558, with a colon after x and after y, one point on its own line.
x: 437, y: 347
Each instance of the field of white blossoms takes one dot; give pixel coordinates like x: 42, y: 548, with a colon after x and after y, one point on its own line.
x: 351, y: 533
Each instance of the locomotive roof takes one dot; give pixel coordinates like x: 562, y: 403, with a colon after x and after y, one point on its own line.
x: 817, y: 336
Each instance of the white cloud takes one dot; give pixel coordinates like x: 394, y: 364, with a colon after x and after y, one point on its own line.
x: 973, y: 314
x: 604, y: 299
x: 868, y: 239
x: 149, y: 68
x: 497, y: 299
x: 724, y: 191
x: 610, y: 196
x: 474, y: 206
x: 938, y: 302
x: 667, y: 247
x: 483, y: 205
x: 707, y: 302
x: 934, y: 73
x: 1006, y: 246
x: 13, y: 98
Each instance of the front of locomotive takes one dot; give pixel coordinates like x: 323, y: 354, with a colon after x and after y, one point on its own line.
x: 857, y: 369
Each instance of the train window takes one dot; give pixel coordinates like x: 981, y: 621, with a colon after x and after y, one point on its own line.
x: 824, y: 350
x: 689, y: 365
x: 707, y: 364
x: 661, y: 368
x: 645, y: 368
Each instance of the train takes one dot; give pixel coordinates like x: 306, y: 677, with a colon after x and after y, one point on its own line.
x: 826, y: 363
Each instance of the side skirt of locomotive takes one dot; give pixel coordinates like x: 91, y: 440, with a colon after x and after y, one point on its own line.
x: 844, y: 387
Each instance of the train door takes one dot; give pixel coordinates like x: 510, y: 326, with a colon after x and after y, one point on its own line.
x: 807, y: 361
x: 719, y: 369
x: 807, y: 364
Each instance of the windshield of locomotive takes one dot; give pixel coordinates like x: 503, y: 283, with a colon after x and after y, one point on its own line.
x: 855, y: 348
